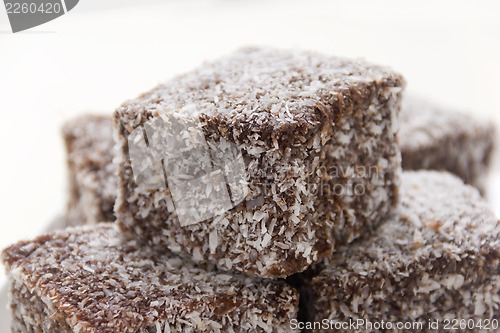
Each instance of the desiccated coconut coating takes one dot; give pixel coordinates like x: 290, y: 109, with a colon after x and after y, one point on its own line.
x: 92, y: 173
x: 434, y: 138
x: 438, y: 257
x: 317, y: 136
x: 88, y: 279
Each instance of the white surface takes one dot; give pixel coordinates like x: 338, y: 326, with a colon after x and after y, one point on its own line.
x: 94, y: 59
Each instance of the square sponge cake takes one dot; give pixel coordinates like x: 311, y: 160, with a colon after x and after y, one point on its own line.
x: 439, y: 138
x: 264, y: 161
x: 436, y: 259
x: 93, y: 178
x: 89, y: 279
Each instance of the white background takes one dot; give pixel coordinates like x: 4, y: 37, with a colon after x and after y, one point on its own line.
x: 106, y: 51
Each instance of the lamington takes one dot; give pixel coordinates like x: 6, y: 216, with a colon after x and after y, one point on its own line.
x: 89, y: 279
x: 435, y: 260
x: 264, y: 161
x: 93, y: 179
x: 433, y: 137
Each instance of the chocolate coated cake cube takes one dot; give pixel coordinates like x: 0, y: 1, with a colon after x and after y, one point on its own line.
x: 435, y: 260
x: 432, y: 137
x: 264, y: 161
x: 92, y: 174
x: 90, y: 279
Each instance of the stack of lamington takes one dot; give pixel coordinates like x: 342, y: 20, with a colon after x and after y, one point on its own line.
x: 257, y: 180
